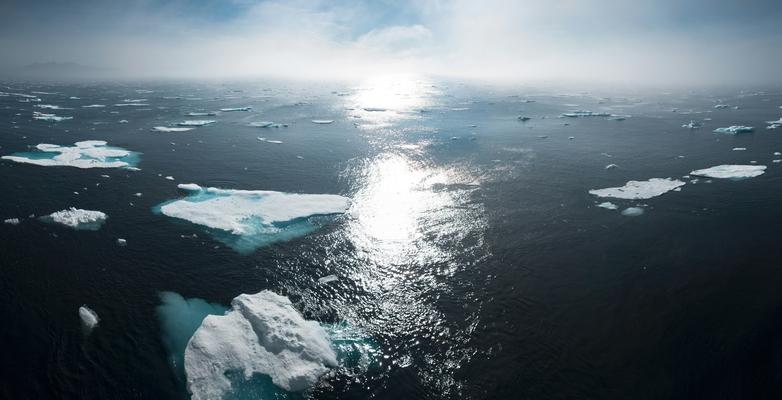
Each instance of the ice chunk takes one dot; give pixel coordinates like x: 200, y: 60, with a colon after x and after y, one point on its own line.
x: 197, y: 122
x: 721, y: 106
x: 77, y: 218
x: 731, y: 171
x: 734, y: 129
x: 84, y: 154
x: 632, y: 211
x: 236, y: 109
x: 89, y: 318
x: 584, y: 113
x: 692, y: 125
x: 122, y: 242
x: 269, y: 140
x: 261, y: 334
x: 327, y: 279
x: 634, y: 190
x: 170, y: 129
x: 611, y: 166
x: 12, y: 221
x: 268, y: 124
x: 50, y: 107
x: 123, y: 121
x: 170, y: 178
x: 49, y: 117
x: 739, y: 148
x: 201, y: 114
x: 94, y: 106
x: 246, y: 219
x: 608, y: 205
x: 322, y: 121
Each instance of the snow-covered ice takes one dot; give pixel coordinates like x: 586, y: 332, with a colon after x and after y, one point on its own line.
x: 608, y: 205
x: 78, y: 218
x: 261, y: 334
x: 12, y: 221
x: 84, y: 154
x: 635, y: 190
x: 727, y: 171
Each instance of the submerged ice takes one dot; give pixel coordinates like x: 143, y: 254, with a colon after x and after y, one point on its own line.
x: 84, y: 154
x: 246, y: 219
x: 637, y: 190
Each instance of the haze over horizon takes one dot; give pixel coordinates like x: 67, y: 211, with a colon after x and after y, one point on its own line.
x: 692, y: 42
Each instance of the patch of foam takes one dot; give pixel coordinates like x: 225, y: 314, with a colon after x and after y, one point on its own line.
x: 89, y: 318
x: 260, y: 334
x: 727, y: 171
x: 171, y: 129
x: 197, y: 122
x: 247, y: 219
x: 734, y: 129
x: 84, y: 154
x: 78, y: 218
x: 636, y: 190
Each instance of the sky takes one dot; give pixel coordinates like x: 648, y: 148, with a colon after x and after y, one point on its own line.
x: 643, y: 42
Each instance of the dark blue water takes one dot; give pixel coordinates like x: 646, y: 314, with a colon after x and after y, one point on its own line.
x: 473, y: 256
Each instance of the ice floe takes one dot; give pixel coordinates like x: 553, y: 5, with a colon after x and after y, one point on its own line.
x: 261, y: 334
x: 201, y: 114
x: 693, y: 125
x: 247, y: 219
x: 262, y: 139
x: 197, y: 122
x: 267, y: 124
x: 236, y: 109
x: 12, y: 221
x: 632, y: 211
x: 84, y: 154
x: 584, y: 113
x: 727, y: 171
x: 322, y: 121
x: 77, y: 218
x: 49, y: 117
x: 94, y: 106
x: 734, y: 129
x: 171, y: 129
x: 89, y: 318
x: 608, y: 205
x: 635, y: 190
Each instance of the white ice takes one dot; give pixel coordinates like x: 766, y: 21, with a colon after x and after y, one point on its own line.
x: 261, y: 334
x: 322, y: 121
x: 74, y: 217
x: 692, y: 125
x: 632, y: 211
x: 731, y: 171
x: 12, y: 221
x: 327, y: 279
x: 734, y: 129
x: 170, y: 129
x: 739, y: 148
x: 197, y: 122
x: 236, y: 109
x: 84, y: 154
x: 233, y: 210
x: 49, y: 117
x: 608, y: 205
x: 88, y: 317
x: 634, y: 190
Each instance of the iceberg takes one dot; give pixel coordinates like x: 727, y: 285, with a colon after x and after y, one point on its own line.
x: 171, y: 129
x: 247, y: 219
x: 49, y: 117
x: 734, y: 129
x: 637, y: 190
x: 84, y: 154
x: 89, y: 318
x: 236, y: 109
x: 726, y: 171
x: 77, y: 218
x: 197, y: 122
x: 322, y: 121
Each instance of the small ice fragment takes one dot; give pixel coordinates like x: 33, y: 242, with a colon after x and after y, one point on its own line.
x: 322, y: 121
x: 692, y: 125
x: 201, y: 114
x: 731, y: 171
x: 608, y: 205
x: 12, y: 221
x: 169, y: 129
x: 78, y: 218
x: 632, y: 211
x: 196, y: 122
x: 776, y: 153
x: 734, y: 129
x: 170, y: 178
x: 776, y: 161
x: 327, y: 279
x: 94, y: 106
x: 236, y: 109
x: 137, y: 194
x: 123, y: 121
x: 739, y: 148
x: 122, y: 242
x: 721, y: 106
x: 611, y: 166
x: 584, y: 113
x: 49, y: 117
x: 88, y: 317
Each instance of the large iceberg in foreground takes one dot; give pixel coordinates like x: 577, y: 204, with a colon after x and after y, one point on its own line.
x: 726, y: 171
x: 261, y: 334
x: 77, y: 218
x: 85, y: 154
x: 637, y: 190
x: 247, y: 219
x: 259, y: 349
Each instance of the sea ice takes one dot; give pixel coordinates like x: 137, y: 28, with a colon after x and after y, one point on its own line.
x: 731, y: 171
x: 608, y: 205
x: 261, y: 334
x: 50, y: 107
x: 634, y: 190
x: 84, y: 154
x: 584, y: 113
x: 692, y: 125
x: 94, y: 106
x: 171, y: 129
x: 246, y: 219
x: 632, y: 211
x: 77, y: 218
x: 236, y: 109
x: 734, y: 129
x: 49, y: 117
x: 201, y: 114
x: 197, y: 122
x: 322, y: 121
x: 122, y: 242
x: 739, y: 148
x: 89, y: 318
